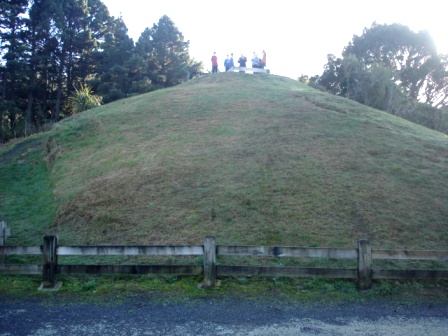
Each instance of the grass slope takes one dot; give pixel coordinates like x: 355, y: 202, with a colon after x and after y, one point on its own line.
x: 251, y: 159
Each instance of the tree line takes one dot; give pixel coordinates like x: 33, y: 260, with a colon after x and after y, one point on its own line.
x: 391, y: 68
x: 58, y: 57
x: 56, y: 53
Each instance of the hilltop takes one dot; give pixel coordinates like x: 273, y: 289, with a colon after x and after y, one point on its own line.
x: 251, y: 159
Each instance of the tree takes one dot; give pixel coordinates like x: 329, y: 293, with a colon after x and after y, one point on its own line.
x: 13, y: 35
x: 436, y: 89
x: 392, y: 69
x: 112, y: 58
x: 412, y: 58
x: 371, y: 85
x: 79, y: 24
x: 50, y: 48
x: 97, y: 24
x: 42, y: 49
x: 166, y: 54
x: 332, y: 77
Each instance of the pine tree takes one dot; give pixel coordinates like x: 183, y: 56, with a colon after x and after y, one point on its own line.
x: 42, y: 55
x: 112, y: 60
x: 166, y: 54
x: 13, y: 49
x: 77, y: 26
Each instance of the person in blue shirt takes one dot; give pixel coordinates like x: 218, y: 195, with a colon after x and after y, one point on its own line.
x: 255, y: 61
x: 227, y: 63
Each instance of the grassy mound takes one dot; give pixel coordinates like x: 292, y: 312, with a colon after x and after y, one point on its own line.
x: 251, y: 159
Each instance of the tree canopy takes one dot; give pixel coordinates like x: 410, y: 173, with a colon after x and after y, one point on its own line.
x: 412, y: 59
x: 392, y: 68
x: 48, y: 48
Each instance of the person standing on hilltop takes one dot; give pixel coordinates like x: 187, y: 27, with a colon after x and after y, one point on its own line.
x: 255, y: 61
x: 242, y: 61
x: 214, y: 63
x: 263, y: 59
x: 227, y: 63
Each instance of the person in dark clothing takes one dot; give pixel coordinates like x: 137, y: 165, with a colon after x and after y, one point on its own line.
x: 242, y: 61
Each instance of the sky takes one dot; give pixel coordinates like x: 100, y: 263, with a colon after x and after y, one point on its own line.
x: 296, y: 35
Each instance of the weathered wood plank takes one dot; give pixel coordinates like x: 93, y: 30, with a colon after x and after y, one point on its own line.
x: 4, y: 231
x: 364, y: 264
x: 131, y: 250
x: 287, y: 251
x: 25, y: 250
x: 410, y: 255
x: 298, y: 272
x: 20, y: 269
x: 209, y: 262
x: 50, y: 261
x: 410, y: 274
x: 132, y: 269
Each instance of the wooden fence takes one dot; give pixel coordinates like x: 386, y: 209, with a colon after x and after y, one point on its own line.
x: 363, y: 253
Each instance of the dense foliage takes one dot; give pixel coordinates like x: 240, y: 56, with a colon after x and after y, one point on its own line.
x: 393, y: 69
x: 48, y: 48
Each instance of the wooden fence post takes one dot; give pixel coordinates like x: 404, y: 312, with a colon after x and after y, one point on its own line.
x: 4, y: 232
x: 2, y: 237
x: 209, y: 262
x: 50, y: 261
x: 364, y: 264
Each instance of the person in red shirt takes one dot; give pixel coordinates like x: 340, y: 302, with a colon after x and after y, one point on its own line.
x: 263, y: 59
x: 214, y: 63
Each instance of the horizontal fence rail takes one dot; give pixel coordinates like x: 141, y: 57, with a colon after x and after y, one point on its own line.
x: 131, y: 269
x: 21, y: 250
x: 409, y: 274
x: 21, y: 269
x: 278, y: 251
x: 210, y: 270
x: 410, y: 255
x: 299, y: 272
x: 131, y: 250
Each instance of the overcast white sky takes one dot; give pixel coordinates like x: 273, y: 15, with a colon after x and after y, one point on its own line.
x: 296, y: 36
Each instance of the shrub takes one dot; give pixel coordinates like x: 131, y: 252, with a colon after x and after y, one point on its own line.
x: 83, y: 99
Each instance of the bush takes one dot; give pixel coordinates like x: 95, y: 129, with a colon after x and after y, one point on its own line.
x: 83, y: 100
x: 112, y: 95
x: 426, y: 115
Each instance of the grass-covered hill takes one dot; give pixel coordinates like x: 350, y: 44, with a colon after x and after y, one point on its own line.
x: 251, y: 159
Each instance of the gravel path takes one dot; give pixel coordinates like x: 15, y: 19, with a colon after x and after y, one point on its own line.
x: 209, y: 316
x: 21, y: 150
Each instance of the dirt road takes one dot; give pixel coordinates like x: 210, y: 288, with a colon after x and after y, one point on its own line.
x: 208, y: 316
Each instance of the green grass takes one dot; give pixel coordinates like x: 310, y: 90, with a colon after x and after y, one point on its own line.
x: 275, y: 161
x: 26, y: 200
x: 257, y: 160
x: 315, y: 291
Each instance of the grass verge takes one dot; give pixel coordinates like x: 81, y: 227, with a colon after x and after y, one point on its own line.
x: 107, y: 288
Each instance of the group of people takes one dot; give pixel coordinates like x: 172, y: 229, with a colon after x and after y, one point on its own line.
x: 259, y: 62
x: 229, y: 63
